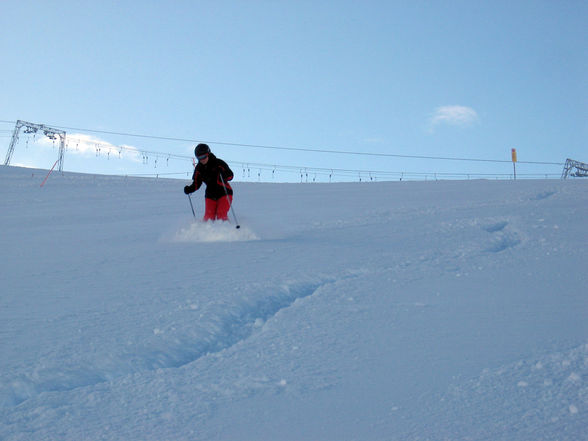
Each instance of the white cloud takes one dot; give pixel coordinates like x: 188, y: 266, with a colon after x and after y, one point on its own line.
x: 454, y: 115
x: 77, y: 143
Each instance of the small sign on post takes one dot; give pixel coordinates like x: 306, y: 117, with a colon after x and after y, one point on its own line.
x: 513, y: 153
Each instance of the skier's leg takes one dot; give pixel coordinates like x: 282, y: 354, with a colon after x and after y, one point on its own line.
x: 222, y: 209
x: 209, y: 209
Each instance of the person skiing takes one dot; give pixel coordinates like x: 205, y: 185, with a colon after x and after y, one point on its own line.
x: 216, y: 174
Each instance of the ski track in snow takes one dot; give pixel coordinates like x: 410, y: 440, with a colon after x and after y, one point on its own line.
x: 503, y: 237
x: 236, y: 326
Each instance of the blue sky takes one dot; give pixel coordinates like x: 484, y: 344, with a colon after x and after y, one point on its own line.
x: 452, y: 79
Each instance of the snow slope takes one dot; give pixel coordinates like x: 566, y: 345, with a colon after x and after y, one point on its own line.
x: 360, y: 311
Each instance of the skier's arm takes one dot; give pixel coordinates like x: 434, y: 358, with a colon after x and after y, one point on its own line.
x: 197, y: 178
x: 196, y: 183
x: 225, y: 171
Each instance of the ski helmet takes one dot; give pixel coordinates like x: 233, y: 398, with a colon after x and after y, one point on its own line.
x: 201, y: 150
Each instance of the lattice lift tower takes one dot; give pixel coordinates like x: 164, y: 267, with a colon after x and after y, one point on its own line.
x: 574, y: 168
x: 49, y: 132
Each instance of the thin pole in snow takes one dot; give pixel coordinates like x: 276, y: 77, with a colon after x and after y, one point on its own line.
x: 47, y: 177
x: 229, y: 201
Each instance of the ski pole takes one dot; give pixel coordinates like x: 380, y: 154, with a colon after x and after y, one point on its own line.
x: 229, y: 201
x: 191, y: 206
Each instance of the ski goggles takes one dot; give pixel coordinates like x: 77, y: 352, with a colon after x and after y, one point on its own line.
x: 202, y: 156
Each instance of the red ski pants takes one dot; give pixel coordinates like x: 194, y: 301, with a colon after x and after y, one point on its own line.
x: 218, y: 209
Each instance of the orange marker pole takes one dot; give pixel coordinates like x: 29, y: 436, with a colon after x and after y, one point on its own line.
x: 513, y: 153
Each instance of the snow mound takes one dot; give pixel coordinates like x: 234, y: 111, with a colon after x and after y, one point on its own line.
x: 537, y: 395
x: 214, y: 232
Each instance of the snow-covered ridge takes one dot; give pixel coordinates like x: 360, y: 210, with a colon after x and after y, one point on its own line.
x: 399, y: 310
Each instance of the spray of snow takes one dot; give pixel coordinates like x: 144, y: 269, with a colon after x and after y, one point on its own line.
x: 214, y: 232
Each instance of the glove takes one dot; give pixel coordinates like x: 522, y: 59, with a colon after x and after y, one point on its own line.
x: 187, y: 189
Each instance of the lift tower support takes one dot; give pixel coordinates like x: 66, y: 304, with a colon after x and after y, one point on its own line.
x: 50, y: 132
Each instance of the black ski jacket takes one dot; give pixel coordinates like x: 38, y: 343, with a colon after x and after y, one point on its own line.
x: 210, y: 174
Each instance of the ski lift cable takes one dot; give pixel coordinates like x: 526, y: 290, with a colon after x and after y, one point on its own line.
x: 306, y: 149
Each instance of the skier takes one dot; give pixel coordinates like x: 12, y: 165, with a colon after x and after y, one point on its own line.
x: 216, y: 174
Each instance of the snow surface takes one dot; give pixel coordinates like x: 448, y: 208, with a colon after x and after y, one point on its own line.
x: 359, y: 311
